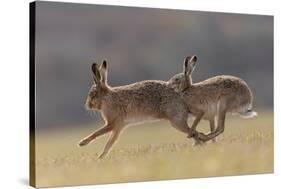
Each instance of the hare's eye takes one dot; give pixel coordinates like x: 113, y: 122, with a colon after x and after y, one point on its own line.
x: 92, y: 94
x: 177, y: 79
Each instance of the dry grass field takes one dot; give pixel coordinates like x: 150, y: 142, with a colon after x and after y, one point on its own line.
x: 155, y: 151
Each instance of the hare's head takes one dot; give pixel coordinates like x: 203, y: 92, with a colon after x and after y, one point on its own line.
x: 183, y: 80
x: 99, y: 87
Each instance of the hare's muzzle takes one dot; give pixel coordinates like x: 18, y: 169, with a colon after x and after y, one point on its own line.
x: 89, y: 105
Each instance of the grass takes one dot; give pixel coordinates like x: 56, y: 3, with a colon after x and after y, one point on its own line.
x: 155, y: 151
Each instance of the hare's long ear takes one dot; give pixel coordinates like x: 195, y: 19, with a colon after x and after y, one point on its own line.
x: 185, y: 65
x: 189, y: 64
x: 192, y: 63
x: 96, y: 73
x: 103, y: 72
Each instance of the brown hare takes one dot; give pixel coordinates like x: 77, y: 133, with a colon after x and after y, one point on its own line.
x: 121, y: 105
x: 212, y: 97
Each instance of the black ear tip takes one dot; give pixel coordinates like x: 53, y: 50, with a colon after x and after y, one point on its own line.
x: 195, y: 58
x: 186, y: 60
x: 94, y: 65
x: 104, y: 64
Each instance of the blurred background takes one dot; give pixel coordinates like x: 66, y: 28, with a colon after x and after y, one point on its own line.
x: 141, y: 44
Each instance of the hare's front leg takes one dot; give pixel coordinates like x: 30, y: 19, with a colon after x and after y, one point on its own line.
x: 212, y: 128
x: 193, y: 129
x: 107, y: 128
x: 196, y: 121
x: 114, y: 136
x: 220, y: 128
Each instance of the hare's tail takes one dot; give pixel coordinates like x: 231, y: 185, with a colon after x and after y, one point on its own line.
x: 247, y: 112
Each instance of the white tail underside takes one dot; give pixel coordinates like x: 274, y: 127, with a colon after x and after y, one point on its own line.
x: 249, y: 114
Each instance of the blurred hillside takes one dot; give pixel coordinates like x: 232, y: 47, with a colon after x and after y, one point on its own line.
x: 140, y: 44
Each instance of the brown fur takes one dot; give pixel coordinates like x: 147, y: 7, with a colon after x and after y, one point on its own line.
x: 141, y: 100
x: 212, y: 97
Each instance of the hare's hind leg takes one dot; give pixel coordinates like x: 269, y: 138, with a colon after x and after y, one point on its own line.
x: 105, y: 129
x: 114, y: 136
x: 220, y: 128
x: 181, y: 125
x: 196, y: 121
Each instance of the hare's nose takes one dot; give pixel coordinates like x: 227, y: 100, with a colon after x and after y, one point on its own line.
x: 88, y: 105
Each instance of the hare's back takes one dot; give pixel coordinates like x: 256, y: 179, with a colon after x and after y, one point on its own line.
x: 225, y: 84
x: 142, y: 90
x: 150, y: 97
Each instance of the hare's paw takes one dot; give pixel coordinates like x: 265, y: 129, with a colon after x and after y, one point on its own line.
x: 193, y: 133
x: 202, y: 137
x: 83, y: 142
x: 197, y: 140
x: 102, y: 156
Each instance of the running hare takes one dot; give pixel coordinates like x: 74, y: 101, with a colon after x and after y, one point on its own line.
x: 140, y: 101
x: 212, y: 97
